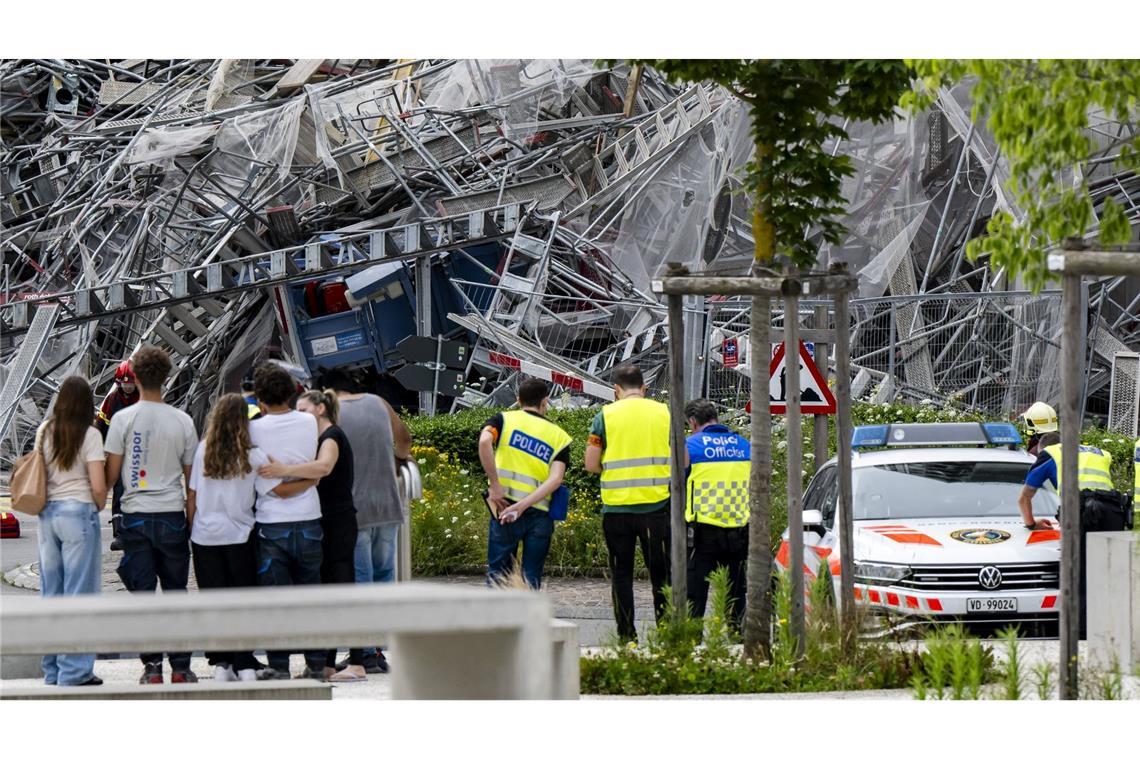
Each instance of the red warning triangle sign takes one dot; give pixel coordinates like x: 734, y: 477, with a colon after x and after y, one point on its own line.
x: 815, y: 396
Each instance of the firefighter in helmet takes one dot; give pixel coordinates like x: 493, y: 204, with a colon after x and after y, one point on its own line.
x: 124, y: 394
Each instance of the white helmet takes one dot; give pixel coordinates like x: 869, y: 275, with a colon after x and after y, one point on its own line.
x: 1040, y: 418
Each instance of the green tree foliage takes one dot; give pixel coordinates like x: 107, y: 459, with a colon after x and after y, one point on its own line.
x: 1038, y: 112
x: 797, y: 106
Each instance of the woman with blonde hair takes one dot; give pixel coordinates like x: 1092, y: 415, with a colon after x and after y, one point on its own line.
x: 224, y: 487
x: 69, y: 546
x: 334, y: 468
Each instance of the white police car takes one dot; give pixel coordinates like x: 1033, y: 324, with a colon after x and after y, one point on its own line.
x: 938, y: 535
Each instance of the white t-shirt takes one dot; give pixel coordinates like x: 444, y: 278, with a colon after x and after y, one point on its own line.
x: 290, y: 438
x: 224, y: 512
x: 156, y: 441
x: 73, y: 482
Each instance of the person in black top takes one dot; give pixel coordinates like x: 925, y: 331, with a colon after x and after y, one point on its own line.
x: 334, y: 467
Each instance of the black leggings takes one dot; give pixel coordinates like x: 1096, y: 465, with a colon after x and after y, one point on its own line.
x: 338, y: 547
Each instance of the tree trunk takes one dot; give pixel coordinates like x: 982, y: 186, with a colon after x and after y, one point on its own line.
x: 758, y: 608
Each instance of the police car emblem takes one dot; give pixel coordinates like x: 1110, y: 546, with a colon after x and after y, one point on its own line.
x: 980, y: 536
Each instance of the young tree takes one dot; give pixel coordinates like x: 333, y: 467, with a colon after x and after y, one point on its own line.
x: 796, y: 106
x: 1038, y: 112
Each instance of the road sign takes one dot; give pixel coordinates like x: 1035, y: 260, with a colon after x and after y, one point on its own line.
x: 815, y: 396
x: 729, y: 349
x: 417, y: 377
x: 419, y: 349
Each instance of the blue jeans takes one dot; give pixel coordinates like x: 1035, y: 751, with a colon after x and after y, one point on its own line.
x: 289, y: 554
x: 533, y: 530
x: 156, y: 549
x: 375, y: 557
x: 374, y: 560
x: 70, y: 565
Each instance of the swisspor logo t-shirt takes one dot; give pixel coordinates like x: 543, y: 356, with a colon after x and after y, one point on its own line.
x: 155, y: 441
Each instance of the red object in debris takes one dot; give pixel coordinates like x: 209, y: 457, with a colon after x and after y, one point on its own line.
x: 9, y: 525
x: 333, y: 297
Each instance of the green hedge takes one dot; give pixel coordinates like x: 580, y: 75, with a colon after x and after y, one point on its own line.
x: 450, y: 524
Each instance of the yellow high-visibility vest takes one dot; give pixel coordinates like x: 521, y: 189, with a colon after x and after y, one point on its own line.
x: 635, y: 462
x: 718, y: 493
x: 1094, y: 468
x: 528, y: 444
x: 1136, y: 487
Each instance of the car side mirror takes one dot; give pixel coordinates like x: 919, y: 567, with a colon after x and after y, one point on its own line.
x: 812, y: 518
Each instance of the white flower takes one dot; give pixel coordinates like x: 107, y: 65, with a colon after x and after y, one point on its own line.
x: 464, y: 472
x: 454, y: 520
x: 466, y: 512
x: 781, y: 445
x: 422, y: 461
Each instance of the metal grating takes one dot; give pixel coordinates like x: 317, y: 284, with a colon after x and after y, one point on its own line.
x: 1124, y: 394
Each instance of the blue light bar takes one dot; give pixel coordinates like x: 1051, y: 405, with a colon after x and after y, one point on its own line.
x: 1002, y: 433
x: 869, y: 436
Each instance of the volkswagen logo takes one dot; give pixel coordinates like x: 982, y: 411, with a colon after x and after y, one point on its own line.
x: 989, y: 577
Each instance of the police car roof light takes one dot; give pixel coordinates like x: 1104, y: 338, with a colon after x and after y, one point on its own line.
x: 937, y: 434
x: 869, y: 436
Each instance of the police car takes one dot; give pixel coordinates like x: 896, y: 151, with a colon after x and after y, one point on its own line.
x: 938, y: 535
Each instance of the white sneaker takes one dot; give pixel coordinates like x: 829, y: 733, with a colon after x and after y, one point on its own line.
x: 249, y: 674
x: 224, y: 673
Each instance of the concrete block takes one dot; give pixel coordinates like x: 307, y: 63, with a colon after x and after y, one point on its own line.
x: 566, y: 660
x: 1114, y: 599
x: 20, y: 666
x: 235, y: 690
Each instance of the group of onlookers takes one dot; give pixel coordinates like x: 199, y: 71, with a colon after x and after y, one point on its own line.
x: 299, y: 489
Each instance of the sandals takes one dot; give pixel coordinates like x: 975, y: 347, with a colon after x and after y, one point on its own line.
x: 347, y: 676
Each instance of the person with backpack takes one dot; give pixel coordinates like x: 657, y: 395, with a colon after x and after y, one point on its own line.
x: 125, y: 394
x: 69, y: 541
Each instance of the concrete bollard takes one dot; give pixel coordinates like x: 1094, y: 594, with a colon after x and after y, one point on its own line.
x: 1114, y: 600
x: 20, y: 666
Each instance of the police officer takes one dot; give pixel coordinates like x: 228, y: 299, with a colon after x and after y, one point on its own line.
x: 716, y: 506
x: 1102, y: 507
x: 125, y: 393
x: 629, y: 447
x: 525, y: 457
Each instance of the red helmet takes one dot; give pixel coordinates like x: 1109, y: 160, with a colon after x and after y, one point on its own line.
x: 124, y: 374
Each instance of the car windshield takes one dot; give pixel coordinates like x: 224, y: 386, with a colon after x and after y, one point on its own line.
x: 944, y: 489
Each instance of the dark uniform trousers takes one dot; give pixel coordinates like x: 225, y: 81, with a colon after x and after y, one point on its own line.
x: 710, y: 547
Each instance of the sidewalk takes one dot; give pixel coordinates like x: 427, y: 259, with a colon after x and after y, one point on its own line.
x: 584, y: 601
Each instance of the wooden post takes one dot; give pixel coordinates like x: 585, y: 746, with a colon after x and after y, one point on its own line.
x: 795, y: 459
x: 758, y: 608
x: 678, y: 563
x: 843, y: 453
x: 1071, y: 354
x: 819, y: 421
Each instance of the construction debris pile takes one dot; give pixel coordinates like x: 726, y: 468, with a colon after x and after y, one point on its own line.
x: 320, y: 211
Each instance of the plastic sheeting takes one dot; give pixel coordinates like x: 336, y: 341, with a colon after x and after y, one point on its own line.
x: 256, y: 142
x: 676, y: 217
x: 160, y: 145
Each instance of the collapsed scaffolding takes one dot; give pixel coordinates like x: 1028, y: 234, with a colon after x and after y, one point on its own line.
x: 177, y: 202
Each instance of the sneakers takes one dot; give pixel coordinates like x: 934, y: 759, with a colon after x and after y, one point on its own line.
x: 318, y: 674
x: 224, y: 673
x: 116, y: 544
x: 183, y: 676
x: 94, y: 680
x: 269, y: 674
x: 152, y: 673
x: 372, y: 664
x: 247, y: 674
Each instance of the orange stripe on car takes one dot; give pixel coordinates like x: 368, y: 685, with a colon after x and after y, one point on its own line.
x: 892, y: 599
x: 912, y: 602
x: 911, y: 538
x: 874, y: 596
x: 1048, y: 602
x: 934, y: 604
x: 1037, y: 536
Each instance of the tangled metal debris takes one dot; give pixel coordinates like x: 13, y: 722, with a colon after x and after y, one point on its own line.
x: 321, y: 211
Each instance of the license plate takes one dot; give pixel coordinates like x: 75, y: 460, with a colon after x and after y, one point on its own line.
x: 992, y: 604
